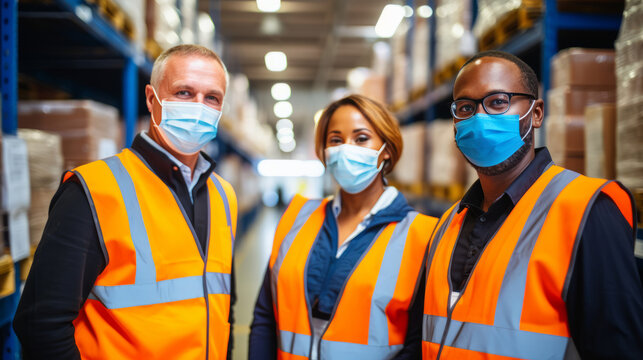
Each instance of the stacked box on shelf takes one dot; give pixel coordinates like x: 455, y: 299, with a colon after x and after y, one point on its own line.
x: 447, y: 167
x: 629, y: 75
x: 600, y: 136
x: 420, y: 58
x: 89, y: 130
x: 399, y: 86
x: 410, y: 168
x: 45, y: 156
x: 135, y: 11
x: 454, y: 40
x: 580, y: 77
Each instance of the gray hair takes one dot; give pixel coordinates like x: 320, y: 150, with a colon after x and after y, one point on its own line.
x: 183, y: 50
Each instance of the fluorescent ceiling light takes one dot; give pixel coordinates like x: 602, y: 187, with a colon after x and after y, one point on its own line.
x: 285, y: 135
x: 408, y: 11
x: 282, y: 109
x: 389, y: 20
x: 425, y: 11
x: 280, y: 91
x: 276, y: 61
x: 288, y: 146
x: 284, y: 167
x: 284, y: 124
x: 268, y: 5
x: 205, y: 23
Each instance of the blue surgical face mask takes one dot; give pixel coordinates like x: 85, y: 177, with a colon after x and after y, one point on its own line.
x: 353, y: 167
x: 188, y: 126
x: 487, y: 140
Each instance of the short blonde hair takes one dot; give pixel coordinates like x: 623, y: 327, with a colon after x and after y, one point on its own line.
x: 183, y: 50
x: 384, y: 123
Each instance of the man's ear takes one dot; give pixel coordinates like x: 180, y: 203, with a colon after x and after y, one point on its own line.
x: 149, y: 97
x: 539, y: 113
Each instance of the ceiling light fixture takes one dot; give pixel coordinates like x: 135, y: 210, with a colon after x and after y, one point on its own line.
x: 283, y: 109
x: 280, y: 91
x: 389, y: 20
x: 408, y: 11
x: 268, y: 5
x: 205, y: 23
x: 425, y: 11
x: 276, y: 61
x: 284, y: 124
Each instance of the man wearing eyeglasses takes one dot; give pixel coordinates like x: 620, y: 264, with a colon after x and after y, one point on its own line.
x: 535, y: 261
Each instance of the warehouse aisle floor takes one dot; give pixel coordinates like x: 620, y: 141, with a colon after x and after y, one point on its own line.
x: 251, y: 258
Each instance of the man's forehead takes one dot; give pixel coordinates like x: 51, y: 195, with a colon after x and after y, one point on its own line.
x: 488, y: 73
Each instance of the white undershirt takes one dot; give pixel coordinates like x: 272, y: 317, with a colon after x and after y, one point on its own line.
x: 387, y: 197
x: 202, y: 165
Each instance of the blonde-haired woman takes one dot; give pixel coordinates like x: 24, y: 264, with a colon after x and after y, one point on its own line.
x: 343, y: 278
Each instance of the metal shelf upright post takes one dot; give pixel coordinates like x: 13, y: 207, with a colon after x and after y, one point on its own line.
x: 9, y: 63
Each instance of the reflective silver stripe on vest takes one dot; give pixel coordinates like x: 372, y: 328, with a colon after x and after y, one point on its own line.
x: 505, y: 338
x: 494, y: 339
x: 512, y: 290
x: 386, y: 281
x: 304, y: 213
x: 146, y: 290
x: 378, y: 341
x: 145, y: 269
x: 122, y: 296
x: 293, y: 343
x: 226, y: 204
x: 333, y: 350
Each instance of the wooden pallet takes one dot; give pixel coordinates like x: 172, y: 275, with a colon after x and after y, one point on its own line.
x: 25, y: 264
x: 7, y: 276
x: 116, y: 16
x: 448, y: 71
x: 509, y: 25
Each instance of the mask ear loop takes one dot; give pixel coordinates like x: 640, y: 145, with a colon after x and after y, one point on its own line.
x: 379, y: 168
x: 531, y: 120
x: 152, y: 113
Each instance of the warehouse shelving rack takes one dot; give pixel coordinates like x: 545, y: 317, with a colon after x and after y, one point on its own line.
x: 70, y: 45
x: 544, y: 38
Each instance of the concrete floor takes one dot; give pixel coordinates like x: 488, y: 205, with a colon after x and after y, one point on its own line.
x: 252, y: 252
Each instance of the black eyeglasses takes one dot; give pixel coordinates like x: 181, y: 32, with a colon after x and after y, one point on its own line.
x: 493, y: 104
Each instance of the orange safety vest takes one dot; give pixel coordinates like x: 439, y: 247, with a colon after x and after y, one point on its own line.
x: 370, y: 319
x: 513, y: 304
x: 159, y: 296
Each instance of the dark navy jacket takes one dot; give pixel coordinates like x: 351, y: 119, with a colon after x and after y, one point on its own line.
x: 325, y: 279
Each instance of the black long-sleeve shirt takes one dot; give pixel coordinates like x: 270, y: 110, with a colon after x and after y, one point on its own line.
x: 69, y: 258
x: 604, y: 300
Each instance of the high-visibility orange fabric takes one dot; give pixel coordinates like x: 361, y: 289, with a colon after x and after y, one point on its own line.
x: 543, y: 308
x: 350, y: 322
x: 184, y: 329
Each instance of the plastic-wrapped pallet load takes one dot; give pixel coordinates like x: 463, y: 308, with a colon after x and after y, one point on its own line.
x: 89, y: 130
x: 453, y: 31
x: 399, y: 86
x: 420, y: 57
x: 135, y: 11
x: 580, y: 77
x: 629, y: 91
x: 44, y: 152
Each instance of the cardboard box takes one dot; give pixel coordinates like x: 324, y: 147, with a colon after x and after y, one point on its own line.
x: 583, y: 67
x: 568, y: 100
x: 410, y: 168
x: 89, y: 130
x: 69, y: 117
x: 600, y: 141
x: 565, y: 135
x: 446, y: 165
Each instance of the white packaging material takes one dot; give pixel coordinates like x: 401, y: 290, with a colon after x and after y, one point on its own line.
x: 15, y: 174
x: 410, y: 168
x: 18, y: 225
x: 420, y: 55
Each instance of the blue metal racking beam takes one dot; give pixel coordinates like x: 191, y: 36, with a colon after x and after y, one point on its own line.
x: 9, y: 31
